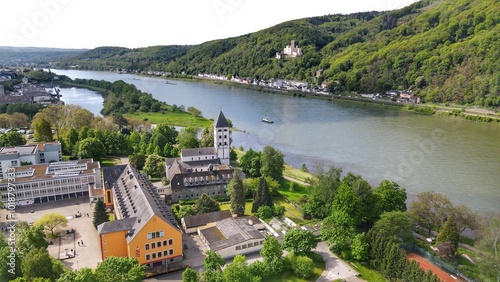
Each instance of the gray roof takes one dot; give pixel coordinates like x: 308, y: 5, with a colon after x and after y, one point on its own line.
x: 221, y: 121
x: 230, y: 232
x: 116, y: 225
x: 202, y: 219
x: 198, y: 152
x: 110, y: 174
x: 21, y: 150
x: 136, y: 197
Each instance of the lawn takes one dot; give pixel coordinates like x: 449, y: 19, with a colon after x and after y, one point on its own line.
x: 248, y: 207
x: 109, y: 161
x: 171, y: 118
x: 291, y: 212
x: 294, y: 195
x: 368, y: 274
x: 296, y: 173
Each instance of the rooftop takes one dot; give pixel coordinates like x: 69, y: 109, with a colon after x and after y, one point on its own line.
x: 203, y: 219
x: 229, y: 232
x: 116, y: 225
x: 221, y: 121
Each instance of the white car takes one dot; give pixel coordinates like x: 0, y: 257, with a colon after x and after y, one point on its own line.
x: 430, y: 240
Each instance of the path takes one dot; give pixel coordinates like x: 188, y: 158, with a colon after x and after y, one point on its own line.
x: 334, y: 267
x: 295, y: 180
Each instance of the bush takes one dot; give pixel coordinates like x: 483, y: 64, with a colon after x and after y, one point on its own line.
x: 260, y: 269
x: 279, y: 210
x: 265, y: 212
x: 346, y: 254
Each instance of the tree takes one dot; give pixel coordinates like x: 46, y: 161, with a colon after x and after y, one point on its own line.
x: 81, y: 275
x: 239, y: 270
x: 489, y: 249
x: 262, y: 197
x: 272, y: 163
x: 38, y: 263
x: 138, y: 160
x: 359, y: 247
x: 465, y: 218
x: 19, y: 120
x: 91, y: 148
x: 120, y: 269
x: 265, y: 212
x: 71, y: 138
x: 337, y: 230
x: 205, y: 204
x: 430, y: 209
x: 207, y: 137
x: 213, y: 261
x: 303, y: 266
x: 42, y: 129
x: 189, y: 275
x: 272, y: 252
x: 51, y: 222
x: 394, y: 263
x: 299, y: 241
x: 187, y: 138
x: 250, y: 163
x: 29, y: 238
x: 237, y: 194
x: 322, y: 191
x: 389, y: 197
x: 155, y: 166
x: 394, y: 226
x: 12, y: 138
x: 168, y: 132
x: 345, y: 200
x: 100, y: 215
x: 449, y: 233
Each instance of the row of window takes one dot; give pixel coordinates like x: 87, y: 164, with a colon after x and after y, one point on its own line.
x: 249, y: 245
x: 160, y: 254
x: 219, y: 130
x: 158, y: 244
x: 157, y: 234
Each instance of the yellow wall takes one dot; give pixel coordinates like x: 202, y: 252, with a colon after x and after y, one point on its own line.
x: 113, y: 244
x: 141, y: 239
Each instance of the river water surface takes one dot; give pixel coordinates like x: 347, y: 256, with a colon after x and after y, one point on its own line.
x: 458, y: 158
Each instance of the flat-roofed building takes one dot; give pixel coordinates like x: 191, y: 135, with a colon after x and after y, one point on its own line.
x: 190, y: 224
x: 29, y: 155
x: 51, y: 182
x: 234, y: 236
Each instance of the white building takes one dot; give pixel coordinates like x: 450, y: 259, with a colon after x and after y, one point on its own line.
x: 234, y: 236
x: 51, y: 182
x: 292, y: 50
x: 29, y: 155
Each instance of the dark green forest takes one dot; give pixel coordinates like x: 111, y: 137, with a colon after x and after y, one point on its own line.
x: 444, y: 51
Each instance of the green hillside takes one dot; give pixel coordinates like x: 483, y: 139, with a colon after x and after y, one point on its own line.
x: 445, y: 51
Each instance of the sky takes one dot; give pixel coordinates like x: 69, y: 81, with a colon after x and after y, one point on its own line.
x: 132, y: 24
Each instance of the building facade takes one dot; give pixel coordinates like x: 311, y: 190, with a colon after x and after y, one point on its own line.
x: 144, y: 227
x: 29, y: 155
x: 51, y: 182
x: 202, y: 170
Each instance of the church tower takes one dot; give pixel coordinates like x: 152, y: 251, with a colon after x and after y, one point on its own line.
x: 222, y: 139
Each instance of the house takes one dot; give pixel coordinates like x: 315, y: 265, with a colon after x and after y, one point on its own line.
x: 292, y: 51
x: 29, y: 155
x: 144, y: 227
x: 190, y: 224
x: 233, y: 236
x: 202, y: 170
x: 409, y: 97
x: 52, y: 182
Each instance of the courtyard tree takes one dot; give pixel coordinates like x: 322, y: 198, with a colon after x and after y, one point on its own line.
x: 138, y: 160
x: 430, y: 210
x: 91, y: 148
x: 272, y: 163
x: 338, y: 230
x: 189, y: 275
x: 272, y: 252
x: 29, y: 238
x: 120, y: 269
x: 84, y: 274
x: 100, y: 215
x: 213, y: 261
x: 154, y: 166
x: 205, y: 204
x: 299, y: 241
x: 394, y: 226
x: 239, y: 270
x: 237, y: 194
x: 51, y: 222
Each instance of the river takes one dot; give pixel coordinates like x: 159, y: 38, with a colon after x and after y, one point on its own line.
x: 458, y: 158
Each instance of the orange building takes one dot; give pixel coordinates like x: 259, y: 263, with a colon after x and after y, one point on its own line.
x: 144, y: 227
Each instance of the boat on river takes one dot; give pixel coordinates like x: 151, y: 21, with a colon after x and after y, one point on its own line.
x: 267, y: 119
x: 171, y: 83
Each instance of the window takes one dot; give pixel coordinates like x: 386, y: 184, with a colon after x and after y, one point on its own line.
x: 153, y: 245
x: 171, y: 251
x: 164, y: 242
x: 159, y: 254
x: 148, y: 257
x: 170, y: 241
x: 244, y: 246
x: 146, y: 246
x: 165, y: 253
x: 238, y: 247
x: 149, y: 236
x: 154, y: 255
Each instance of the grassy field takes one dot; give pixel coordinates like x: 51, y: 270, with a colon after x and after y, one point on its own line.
x: 294, y: 195
x: 296, y: 173
x: 368, y: 274
x: 170, y: 118
x: 248, y: 207
x: 109, y: 161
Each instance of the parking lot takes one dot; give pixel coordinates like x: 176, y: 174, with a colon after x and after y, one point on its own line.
x: 87, y: 254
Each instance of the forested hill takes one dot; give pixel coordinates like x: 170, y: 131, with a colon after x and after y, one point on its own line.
x: 445, y: 51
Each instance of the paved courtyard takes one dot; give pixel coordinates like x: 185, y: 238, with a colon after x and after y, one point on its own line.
x: 87, y: 254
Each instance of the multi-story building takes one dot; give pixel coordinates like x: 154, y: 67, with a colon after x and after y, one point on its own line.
x: 51, y: 182
x: 29, y: 155
x: 144, y: 227
x: 202, y: 170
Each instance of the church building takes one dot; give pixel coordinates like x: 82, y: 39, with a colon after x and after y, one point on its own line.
x: 202, y: 170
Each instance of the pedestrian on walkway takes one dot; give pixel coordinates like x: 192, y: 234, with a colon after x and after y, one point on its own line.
x: 78, y: 243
